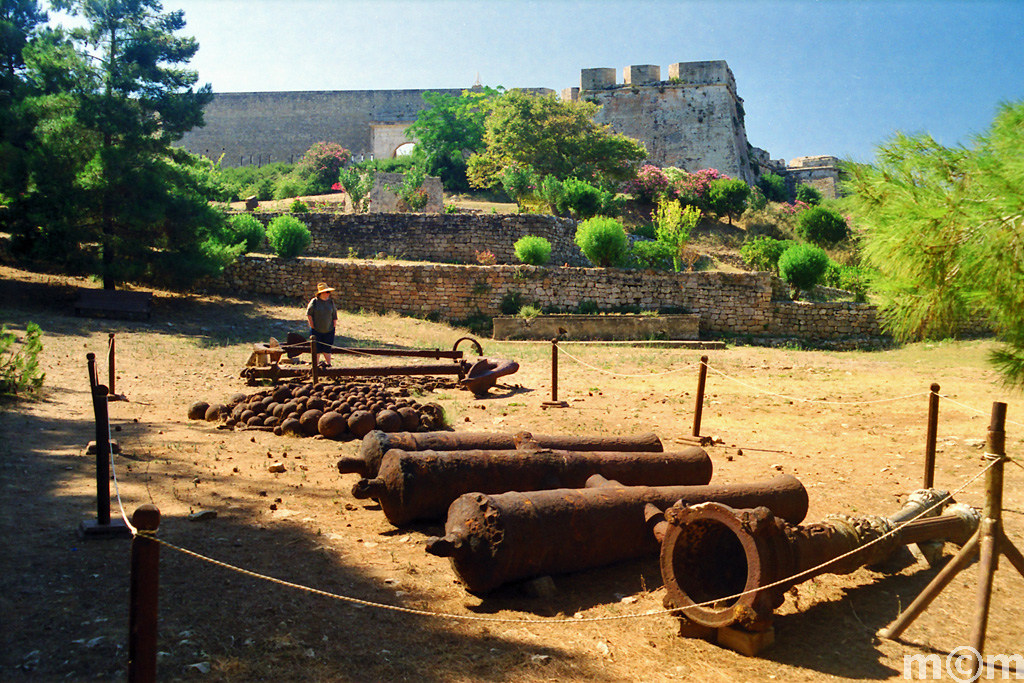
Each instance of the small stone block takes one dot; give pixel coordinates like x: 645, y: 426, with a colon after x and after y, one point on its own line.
x: 749, y: 643
x: 91, y: 528
x: 115, y: 447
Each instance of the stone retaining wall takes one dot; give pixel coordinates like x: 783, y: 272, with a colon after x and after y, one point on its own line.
x: 727, y: 303
x: 443, y: 238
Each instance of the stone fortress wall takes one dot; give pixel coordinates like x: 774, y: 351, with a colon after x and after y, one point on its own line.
x: 727, y: 303
x: 439, y: 238
x: 692, y: 120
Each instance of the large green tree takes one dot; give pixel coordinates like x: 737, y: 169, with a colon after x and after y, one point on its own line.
x: 944, y: 229
x: 122, y: 201
x: 20, y: 24
x: 553, y: 137
x: 449, y: 131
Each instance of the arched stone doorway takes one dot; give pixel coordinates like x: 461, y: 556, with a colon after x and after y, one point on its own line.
x: 387, y: 138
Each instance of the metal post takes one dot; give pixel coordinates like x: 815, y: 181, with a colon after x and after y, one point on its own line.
x: 312, y: 351
x: 698, y: 408
x: 929, y: 445
x: 554, y: 402
x: 143, y: 596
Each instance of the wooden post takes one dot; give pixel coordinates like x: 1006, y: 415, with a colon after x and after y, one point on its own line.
x: 990, y: 539
x: 101, y: 526
x: 144, y: 587
x: 930, y: 438
x: 111, y: 372
x: 554, y: 402
x: 312, y: 351
x: 698, y: 408
x: 991, y: 526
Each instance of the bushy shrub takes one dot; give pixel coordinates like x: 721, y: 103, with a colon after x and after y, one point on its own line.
x: 657, y: 254
x: 298, y: 206
x: 603, y: 240
x: 582, y: 198
x: 533, y: 250
x: 774, y: 187
x: 529, y: 311
x: 358, y: 185
x: 692, y: 188
x: 288, y: 236
x: 486, y: 258
x: 320, y: 165
x: 519, y: 182
x: 727, y: 197
x: 552, y: 192
x: 650, y: 183
x: 511, y: 302
x: 757, y: 199
x: 19, y: 367
x: 289, y: 186
x: 802, y: 267
x: 821, y: 226
x: 849, y: 278
x: 673, y: 223
x: 762, y: 252
x: 246, y: 228
x: 645, y: 230
x: 808, y: 194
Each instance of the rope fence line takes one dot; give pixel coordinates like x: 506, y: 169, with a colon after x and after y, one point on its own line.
x: 619, y: 374
x: 815, y: 400
x: 980, y: 412
x: 993, y: 461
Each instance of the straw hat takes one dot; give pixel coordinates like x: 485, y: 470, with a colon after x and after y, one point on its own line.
x: 322, y: 287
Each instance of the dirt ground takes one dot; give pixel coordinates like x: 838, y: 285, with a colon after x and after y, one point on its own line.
x: 65, y: 599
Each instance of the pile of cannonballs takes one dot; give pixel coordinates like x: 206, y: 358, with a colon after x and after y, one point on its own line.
x: 330, y: 410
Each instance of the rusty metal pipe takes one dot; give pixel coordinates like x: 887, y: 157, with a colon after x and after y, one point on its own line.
x: 377, y: 443
x: 713, y: 551
x: 420, y: 485
x: 497, y: 539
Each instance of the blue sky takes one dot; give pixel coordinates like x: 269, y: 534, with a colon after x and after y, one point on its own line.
x: 826, y: 77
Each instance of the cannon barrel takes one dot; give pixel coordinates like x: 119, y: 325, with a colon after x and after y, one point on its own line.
x: 713, y: 551
x: 377, y: 443
x: 492, y: 540
x: 420, y: 485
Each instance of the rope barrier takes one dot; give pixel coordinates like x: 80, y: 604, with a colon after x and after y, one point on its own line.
x: 618, y: 374
x: 815, y: 400
x: 980, y: 412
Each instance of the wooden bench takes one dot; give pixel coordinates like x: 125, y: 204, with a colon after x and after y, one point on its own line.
x: 110, y: 303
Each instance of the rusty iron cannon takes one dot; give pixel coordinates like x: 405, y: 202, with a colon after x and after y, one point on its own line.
x: 478, y: 375
x: 420, y: 485
x: 493, y: 540
x: 377, y: 443
x: 712, y: 552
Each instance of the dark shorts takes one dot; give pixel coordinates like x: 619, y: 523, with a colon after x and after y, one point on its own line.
x: 324, y: 341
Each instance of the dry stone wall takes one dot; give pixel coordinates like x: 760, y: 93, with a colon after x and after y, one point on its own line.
x: 727, y: 303
x: 444, y: 238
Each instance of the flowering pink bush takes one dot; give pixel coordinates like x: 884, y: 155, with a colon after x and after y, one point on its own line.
x: 794, y: 208
x: 486, y: 258
x: 650, y: 183
x: 336, y: 187
x: 694, y: 186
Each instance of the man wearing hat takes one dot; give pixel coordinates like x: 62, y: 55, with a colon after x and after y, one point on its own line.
x: 322, y: 316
